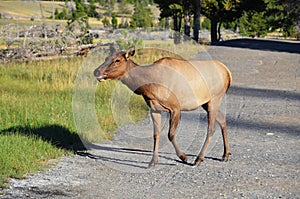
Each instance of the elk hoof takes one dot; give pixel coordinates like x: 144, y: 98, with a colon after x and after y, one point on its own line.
x: 225, y: 157
x: 198, y: 161
x: 152, y: 163
x: 183, y: 158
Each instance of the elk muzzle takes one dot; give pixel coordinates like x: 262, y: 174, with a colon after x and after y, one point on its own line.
x: 100, y: 77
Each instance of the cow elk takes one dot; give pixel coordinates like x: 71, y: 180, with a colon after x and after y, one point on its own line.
x: 173, y: 85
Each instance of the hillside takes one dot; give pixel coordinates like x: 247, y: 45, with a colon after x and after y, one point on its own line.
x: 31, y: 12
x: 27, y: 12
x: 28, y: 9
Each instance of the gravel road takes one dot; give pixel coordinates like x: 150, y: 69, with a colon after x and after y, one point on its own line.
x: 263, y: 115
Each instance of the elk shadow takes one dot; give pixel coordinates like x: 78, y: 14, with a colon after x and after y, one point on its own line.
x: 125, y: 156
x: 57, y: 135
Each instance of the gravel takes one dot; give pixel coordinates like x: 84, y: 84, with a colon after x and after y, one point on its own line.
x: 262, y: 109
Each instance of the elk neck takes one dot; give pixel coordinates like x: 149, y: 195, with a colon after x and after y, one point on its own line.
x: 130, y: 79
x: 131, y: 64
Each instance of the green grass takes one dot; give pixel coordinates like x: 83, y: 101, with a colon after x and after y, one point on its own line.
x: 20, y: 154
x: 36, y: 115
x: 37, y: 93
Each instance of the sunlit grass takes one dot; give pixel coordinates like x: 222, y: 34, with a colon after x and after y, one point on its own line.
x: 20, y: 154
x: 37, y: 93
x: 34, y: 96
x: 30, y: 8
x: 36, y: 115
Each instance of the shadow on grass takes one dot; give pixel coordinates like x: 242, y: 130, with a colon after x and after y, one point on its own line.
x: 57, y: 135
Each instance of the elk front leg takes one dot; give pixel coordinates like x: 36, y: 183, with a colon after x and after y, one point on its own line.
x: 156, y: 118
x: 174, y: 120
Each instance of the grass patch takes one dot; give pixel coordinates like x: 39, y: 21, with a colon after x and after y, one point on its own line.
x: 36, y: 94
x: 16, y: 159
x: 36, y: 118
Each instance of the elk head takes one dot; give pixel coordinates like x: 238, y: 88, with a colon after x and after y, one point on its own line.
x: 114, y: 66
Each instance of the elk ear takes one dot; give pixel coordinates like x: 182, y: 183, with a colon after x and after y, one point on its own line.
x: 130, y: 52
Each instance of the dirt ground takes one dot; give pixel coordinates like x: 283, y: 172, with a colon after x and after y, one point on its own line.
x: 263, y: 117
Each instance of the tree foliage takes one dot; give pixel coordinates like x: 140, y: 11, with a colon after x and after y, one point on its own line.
x: 217, y: 11
x: 128, y: 39
x: 114, y: 21
x: 224, y: 11
x: 282, y: 15
x: 124, y: 11
x: 173, y: 9
x: 253, y: 17
x: 253, y: 24
x: 285, y: 15
x: 108, y: 6
x: 73, y: 12
x: 142, y: 16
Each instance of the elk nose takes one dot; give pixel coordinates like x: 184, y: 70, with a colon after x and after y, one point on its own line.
x: 96, y: 73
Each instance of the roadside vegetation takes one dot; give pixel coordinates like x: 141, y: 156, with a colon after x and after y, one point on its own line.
x: 36, y: 118
x: 34, y: 96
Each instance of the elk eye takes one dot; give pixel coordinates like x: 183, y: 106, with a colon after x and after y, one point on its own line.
x: 117, y: 60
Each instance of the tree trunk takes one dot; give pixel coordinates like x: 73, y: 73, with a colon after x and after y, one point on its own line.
x: 197, y: 20
x: 187, y: 23
x: 213, y: 30
x: 219, y: 31
x: 180, y: 22
x: 176, y: 29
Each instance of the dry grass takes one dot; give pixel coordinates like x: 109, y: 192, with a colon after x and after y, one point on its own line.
x: 27, y: 9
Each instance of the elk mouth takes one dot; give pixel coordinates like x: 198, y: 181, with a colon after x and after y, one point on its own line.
x: 101, y: 78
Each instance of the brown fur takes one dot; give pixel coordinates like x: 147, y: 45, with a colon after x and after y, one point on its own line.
x: 174, y: 85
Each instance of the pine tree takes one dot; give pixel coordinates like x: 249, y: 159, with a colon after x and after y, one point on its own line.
x: 114, y: 21
x: 141, y: 16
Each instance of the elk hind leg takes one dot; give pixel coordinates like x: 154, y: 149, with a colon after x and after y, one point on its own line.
x: 221, y: 119
x: 211, y: 114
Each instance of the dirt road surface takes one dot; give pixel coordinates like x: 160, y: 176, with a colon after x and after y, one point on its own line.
x: 263, y: 117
